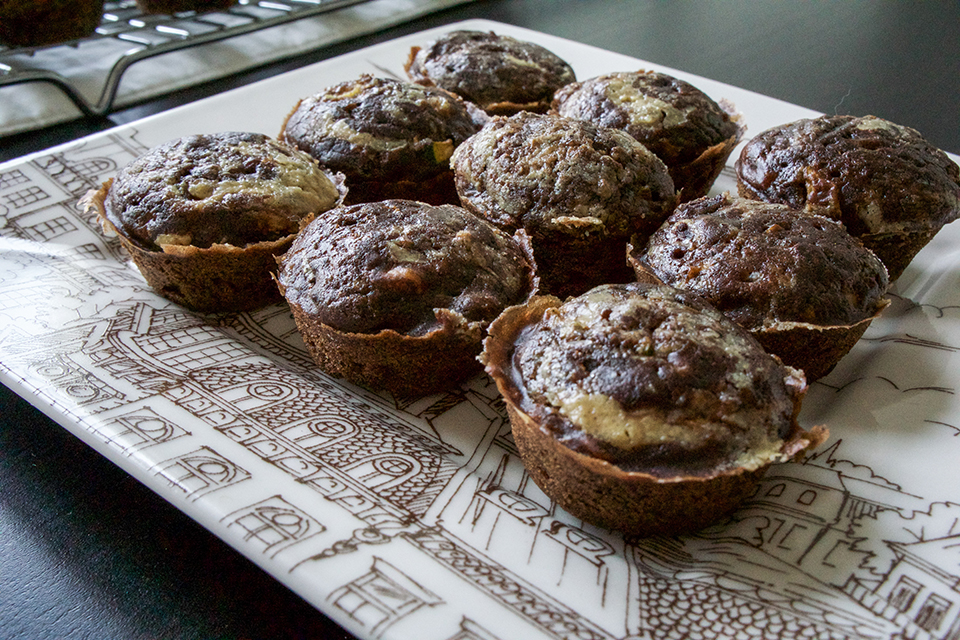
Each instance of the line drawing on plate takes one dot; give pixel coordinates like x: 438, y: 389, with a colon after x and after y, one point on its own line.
x: 416, y: 513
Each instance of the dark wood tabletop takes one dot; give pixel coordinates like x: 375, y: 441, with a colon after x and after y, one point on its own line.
x: 88, y: 552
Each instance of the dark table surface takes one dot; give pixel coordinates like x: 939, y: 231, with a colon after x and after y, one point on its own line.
x: 88, y: 552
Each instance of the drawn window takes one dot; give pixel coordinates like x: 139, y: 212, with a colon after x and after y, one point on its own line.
x: 787, y: 541
x: 94, y: 167
x: 904, y: 593
x: 251, y: 396
x: 807, y: 497
x: 393, y: 466
x: 932, y: 612
x: 152, y: 428
x: 837, y: 551
x: 384, y: 471
x: 954, y: 633
x: 470, y: 630
x: 271, y: 524
x: 25, y: 197
x: 89, y: 250
x: 50, y: 229
x: 776, y: 490
x: 580, y: 542
x: 364, y: 611
x: 381, y: 597
x: 332, y: 428
x: 269, y: 391
x: 12, y: 178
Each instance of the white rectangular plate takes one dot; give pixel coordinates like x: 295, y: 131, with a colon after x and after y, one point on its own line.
x: 414, y: 519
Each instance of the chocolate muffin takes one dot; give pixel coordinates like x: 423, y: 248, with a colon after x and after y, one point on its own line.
x: 884, y: 182
x: 204, y: 216
x: 179, y: 6
x: 803, y: 286
x: 390, y: 139
x: 579, y: 190
x: 36, y: 24
x: 397, y: 294
x: 641, y: 408
x: 688, y: 130
x: 500, y: 74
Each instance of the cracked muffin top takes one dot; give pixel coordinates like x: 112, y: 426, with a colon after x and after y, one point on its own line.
x: 763, y: 263
x: 885, y: 183
x: 671, y: 117
x: 549, y: 174
x: 232, y: 188
x: 380, y: 129
x: 654, y: 379
x: 397, y: 264
x: 500, y: 74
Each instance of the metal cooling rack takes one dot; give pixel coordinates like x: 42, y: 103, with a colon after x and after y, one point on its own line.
x: 148, y: 36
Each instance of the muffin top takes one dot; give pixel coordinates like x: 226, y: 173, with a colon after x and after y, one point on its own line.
x: 396, y: 264
x: 497, y: 73
x: 763, y: 263
x: 653, y: 379
x: 671, y: 117
x: 871, y: 174
x: 232, y: 188
x: 549, y: 174
x: 380, y: 129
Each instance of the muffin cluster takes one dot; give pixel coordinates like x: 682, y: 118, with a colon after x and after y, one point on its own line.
x: 652, y: 339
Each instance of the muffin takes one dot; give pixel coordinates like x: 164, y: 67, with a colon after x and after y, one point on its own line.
x: 390, y: 139
x: 204, y: 216
x: 397, y: 294
x: 178, y: 6
x: 500, y: 74
x: 641, y: 408
x: 579, y: 190
x: 802, y: 285
x: 683, y: 126
x: 884, y: 182
x: 35, y: 24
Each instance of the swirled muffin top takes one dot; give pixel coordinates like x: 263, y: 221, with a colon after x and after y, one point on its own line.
x: 396, y: 264
x: 231, y: 188
x: 654, y: 379
x: 876, y: 177
x: 671, y: 117
x: 500, y: 74
x: 763, y: 263
x: 549, y: 174
x: 380, y: 129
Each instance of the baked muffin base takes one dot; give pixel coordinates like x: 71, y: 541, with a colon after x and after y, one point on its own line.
x: 897, y: 250
x: 813, y: 349
x: 569, y: 265
x: 406, y: 366
x: 220, y: 278
x: 695, y: 178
